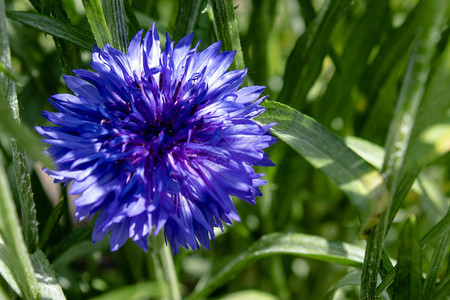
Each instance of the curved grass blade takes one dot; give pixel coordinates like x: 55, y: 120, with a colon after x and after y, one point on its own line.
x: 298, y: 244
x: 325, y: 151
x: 54, y: 27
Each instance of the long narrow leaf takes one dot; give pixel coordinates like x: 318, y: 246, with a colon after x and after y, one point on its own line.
x: 325, y: 151
x: 225, y: 26
x: 305, y: 61
x: 96, y: 18
x: 298, y: 244
x: 116, y: 21
x: 13, y: 238
x: 54, y: 27
x: 408, y: 281
x: 23, y: 182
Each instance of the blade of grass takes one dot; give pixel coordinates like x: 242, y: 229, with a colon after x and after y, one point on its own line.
x: 13, y: 238
x: 305, y: 61
x: 50, y: 224
x: 398, y: 180
x: 325, y: 151
x: 435, y: 266
x: 23, y: 182
x: 226, y: 29
x: 303, y: 245
x: 116, y: 21
x: 7, y: 269
x: 54, y: 27
x: 435, y: 234
x: 408, y: 280
x: 96, y: 18
x: 186, y: 18
x: 365, y: 36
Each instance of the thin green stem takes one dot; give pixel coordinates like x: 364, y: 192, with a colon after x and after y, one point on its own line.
x: 169, y: 268
x: 163, y: 267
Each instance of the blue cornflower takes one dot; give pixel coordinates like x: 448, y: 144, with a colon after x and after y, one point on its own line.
x: 158, y: 139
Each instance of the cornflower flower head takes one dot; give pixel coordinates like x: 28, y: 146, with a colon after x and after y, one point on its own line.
x: 158, y: 139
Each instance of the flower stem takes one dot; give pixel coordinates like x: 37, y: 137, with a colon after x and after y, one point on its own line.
x: 166, y: 267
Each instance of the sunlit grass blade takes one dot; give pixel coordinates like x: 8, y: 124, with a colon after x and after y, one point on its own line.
x: 55, y: 28
x: 303, y: 245
x: 408, y: 280
x: 13, y: 238
x: 435, y: 266
x: 325, y: 151
x: 116, y: 21
x: 226, y: 29
x: 49, y: 287
x: 186, y: 18
x: 23, y: 182
x: 96, y: 18
x: 305, y: 61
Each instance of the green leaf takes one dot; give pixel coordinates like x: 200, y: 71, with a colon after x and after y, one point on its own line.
x: 50, y: 224
x: 408, y: 280
x: 305, y: 61
x: 249, y: 294
x: 7, y: 269
x: 436, y: 233
x: 13, y: 238
x: 49, y: 287
x: 23, y: 182
x: 303, y: 245
x: 116, y: 20
x: 435, y: 266
x: 226, y: 29
x: 186, y: 18
x: 398, y: 178
x: 141, y: 290
x: 325, y: 151
x: 73, y: 238
x: 55, y: 28
x: 96, y: 18
x: 351, y: 278
x: 365, y: 35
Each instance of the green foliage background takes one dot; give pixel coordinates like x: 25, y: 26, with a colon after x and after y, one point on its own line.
x: 361, y: 94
